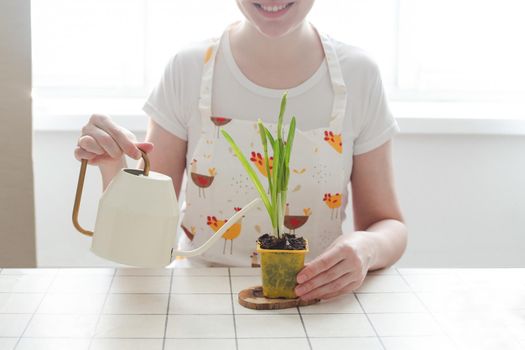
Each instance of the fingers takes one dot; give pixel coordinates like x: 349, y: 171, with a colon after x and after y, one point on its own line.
x: 145, y: 146
x: 102, y: 139
x: 123, y: 139
x: 337, y: 270
x: 89, y: 144
x: 343, y: 284
x: 345, y: 290
x: 332, y: 274
x: 83, y: 154
x: 322, y: 263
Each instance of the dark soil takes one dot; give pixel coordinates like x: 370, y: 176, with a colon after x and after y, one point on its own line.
x: 287, y: 241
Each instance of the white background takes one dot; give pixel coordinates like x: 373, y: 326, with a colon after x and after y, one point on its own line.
x: 459, y: 161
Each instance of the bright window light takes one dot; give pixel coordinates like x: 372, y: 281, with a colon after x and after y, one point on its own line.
x: 462, y: 48
x: 427, y: 50
x: 83, y: 47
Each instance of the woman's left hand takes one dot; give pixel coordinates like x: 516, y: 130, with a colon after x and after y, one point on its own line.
x: 340, y: 269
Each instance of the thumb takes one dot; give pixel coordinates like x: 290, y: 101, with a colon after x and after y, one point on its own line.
x: 145, y: 146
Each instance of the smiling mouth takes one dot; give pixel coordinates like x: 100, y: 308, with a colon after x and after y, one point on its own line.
x: 273, y: 9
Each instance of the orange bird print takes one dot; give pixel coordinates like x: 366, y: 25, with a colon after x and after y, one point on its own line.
x: 233, y: 232
x: 334, y: 140
x: 200, y: 180
x: 260, y: 163
x: 333, y: 201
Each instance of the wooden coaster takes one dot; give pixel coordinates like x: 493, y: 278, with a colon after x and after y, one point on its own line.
x: 252, y: 298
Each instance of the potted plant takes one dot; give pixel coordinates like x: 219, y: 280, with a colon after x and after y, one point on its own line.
x: 282, y: 253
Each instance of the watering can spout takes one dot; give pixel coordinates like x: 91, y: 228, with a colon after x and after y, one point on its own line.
x: 217, y: 235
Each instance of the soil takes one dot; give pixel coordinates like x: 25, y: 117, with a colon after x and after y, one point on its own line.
x: 287, y: 241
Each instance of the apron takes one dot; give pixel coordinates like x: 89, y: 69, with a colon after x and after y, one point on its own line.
x: 218, y: 185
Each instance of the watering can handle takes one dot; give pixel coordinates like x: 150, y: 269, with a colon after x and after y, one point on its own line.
x: 217, y: 235
x: 80, y: 186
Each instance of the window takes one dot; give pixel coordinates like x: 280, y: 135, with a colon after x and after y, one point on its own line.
x: 428, y: 50
x: 462, y: 49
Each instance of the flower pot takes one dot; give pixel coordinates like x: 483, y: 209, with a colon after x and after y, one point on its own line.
x: 279, y: 270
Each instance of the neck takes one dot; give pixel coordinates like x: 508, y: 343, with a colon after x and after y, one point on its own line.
x: 270, y: 51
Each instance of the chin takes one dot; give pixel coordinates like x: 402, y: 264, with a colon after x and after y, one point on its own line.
x: 274, y: 31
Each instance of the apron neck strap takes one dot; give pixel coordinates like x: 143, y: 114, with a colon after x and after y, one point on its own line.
x: 334, y: 69
x: 338, y: 84
x: 207, y: 77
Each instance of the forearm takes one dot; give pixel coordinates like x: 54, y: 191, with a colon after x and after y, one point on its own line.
x: 108, y: 171
x: 384, y: 241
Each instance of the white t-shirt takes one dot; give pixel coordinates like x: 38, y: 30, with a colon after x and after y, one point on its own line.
x: 173, y: 103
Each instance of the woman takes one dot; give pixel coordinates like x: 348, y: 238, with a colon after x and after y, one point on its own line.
x: 344, y: 131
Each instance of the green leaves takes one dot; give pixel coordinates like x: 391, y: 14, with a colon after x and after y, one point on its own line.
x: 288, y: 150
x: 249, y: 170
x: 263, y: 131
x: 279, y: 175
x: 281, y: 114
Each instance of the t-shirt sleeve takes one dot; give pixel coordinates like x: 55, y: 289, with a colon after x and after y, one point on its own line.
x: 164, y: 104
x: 377, y: 124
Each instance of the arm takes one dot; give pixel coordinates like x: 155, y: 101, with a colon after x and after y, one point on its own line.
x: 377, y: 216
x: 169, y: 154
x: 380, y: 237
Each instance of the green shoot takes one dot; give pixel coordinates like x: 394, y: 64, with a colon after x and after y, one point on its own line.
x: 279, y: 175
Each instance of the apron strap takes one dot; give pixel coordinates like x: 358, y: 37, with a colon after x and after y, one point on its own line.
x: 338, y: 84
x: 334, y: 69
x: 207, y: 79
x: 207, y: 76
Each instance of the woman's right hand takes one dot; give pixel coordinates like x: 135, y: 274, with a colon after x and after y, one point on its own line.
x: 104, y: 143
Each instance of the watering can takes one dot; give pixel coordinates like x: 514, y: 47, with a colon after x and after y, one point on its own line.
x: 137, y: 219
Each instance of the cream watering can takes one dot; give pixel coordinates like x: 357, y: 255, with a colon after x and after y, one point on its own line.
x: 138, y: 217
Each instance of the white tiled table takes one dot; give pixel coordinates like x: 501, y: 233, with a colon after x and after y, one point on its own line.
x: 197, y: 309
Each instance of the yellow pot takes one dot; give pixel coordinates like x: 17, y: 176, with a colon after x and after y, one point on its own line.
x: 279, y: 270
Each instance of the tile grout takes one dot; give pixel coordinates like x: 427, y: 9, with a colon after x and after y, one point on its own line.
x: 304, y: 328
x: 371, y: 324
x: 251, y: 337
x: 214, y: 338
x: 239, y: 314
x: 167, y: 313
x: 36, y: 309
x: 230, y: 279
x: 233, y: 311
x: 102, y: 308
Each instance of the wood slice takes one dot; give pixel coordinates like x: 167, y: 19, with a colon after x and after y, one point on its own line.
x: 253, y: 298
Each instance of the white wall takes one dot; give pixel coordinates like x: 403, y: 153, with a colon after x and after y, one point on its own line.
x: 17, y: 224
x: 463, y: 197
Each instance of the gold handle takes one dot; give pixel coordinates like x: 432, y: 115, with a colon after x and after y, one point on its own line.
x: 80, y: 186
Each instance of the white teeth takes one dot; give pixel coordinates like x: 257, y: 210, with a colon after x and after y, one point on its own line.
x: 272, y: 8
